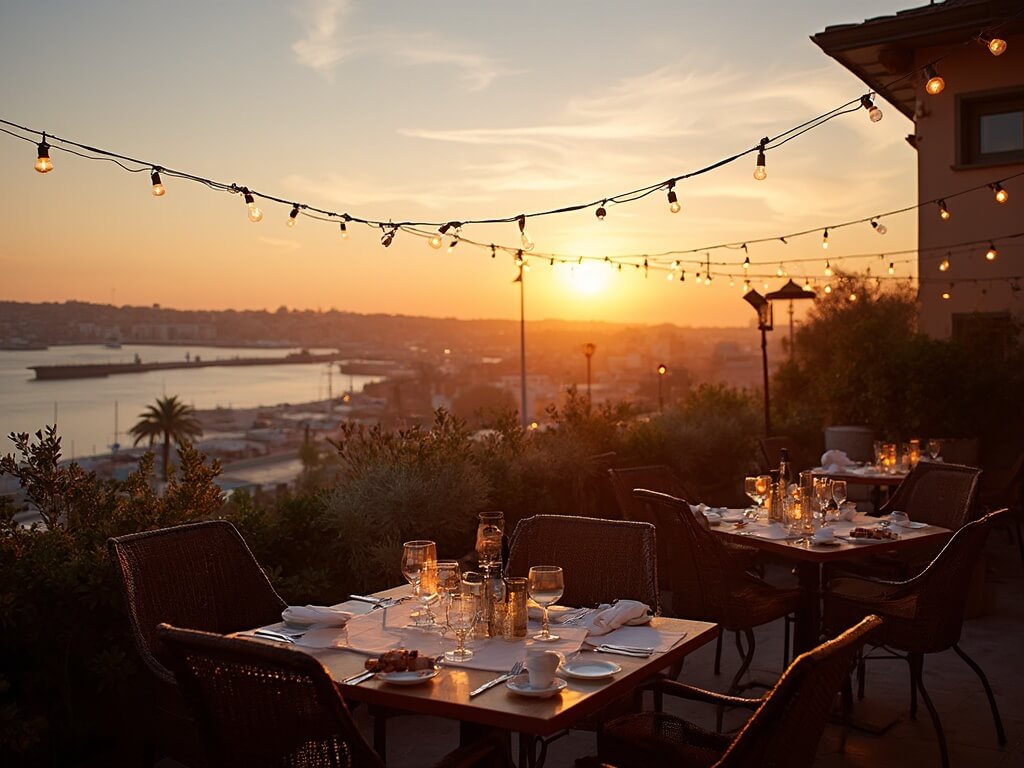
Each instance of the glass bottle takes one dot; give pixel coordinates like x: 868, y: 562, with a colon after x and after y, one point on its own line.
x: 515, y: 587
x: 785, y: 471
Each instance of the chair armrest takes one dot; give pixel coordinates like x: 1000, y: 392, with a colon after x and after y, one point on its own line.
x: 684, y: 691
x: 492, y: 750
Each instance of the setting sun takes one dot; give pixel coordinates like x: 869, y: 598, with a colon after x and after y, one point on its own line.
x: 587, y: 278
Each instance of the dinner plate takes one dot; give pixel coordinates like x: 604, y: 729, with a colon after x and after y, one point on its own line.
x: 589, y: 669
x: 520, y: 685
x: 867, y: 540
x: 408, y: 677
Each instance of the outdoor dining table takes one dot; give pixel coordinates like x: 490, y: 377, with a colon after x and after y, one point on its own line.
x: 879, y: 480
x: 808, y: 559
x: 447, y: 694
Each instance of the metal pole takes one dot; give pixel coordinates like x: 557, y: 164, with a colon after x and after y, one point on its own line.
x: 764, y: 365
x: 522, y: 348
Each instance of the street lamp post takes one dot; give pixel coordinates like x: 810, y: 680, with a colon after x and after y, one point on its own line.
x: 588, y: 350
x: 793, y: 292
x: 763, y: 307
x: 662, y: 370
x: 522, y: 347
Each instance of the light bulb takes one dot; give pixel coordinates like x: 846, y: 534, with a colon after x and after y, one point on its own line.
x: 746, y: 286
x: 824, y: 240
x: 879, y: 227
x: 892, y: 268
x: 760, y: 172
x: 344, y: 230
x: 435, y: 241
x: 524, y: 237
x: 452, y: 244
x: 293, y: 214
x: 874, y: 113
x: 991, y: 253
x: 519, y: 259
x: 853, y: 297
x: 828, y: 269
x: 935, y: 83
x: 1001, y: 194
x: 995, y: 45
x: 387, y: 238
x: 946, y: 295
x: 944, y: 213
x: 707, y: 279
x: 600, y: 212
x: 158, y: 187
x: 779, y: 272
x: 43, y: 162
x: 673, y: 199
x: 255, y: 214
x: 669, y: 277
x: 943, y: 265
x: 746, y: 262
x: 828, y: 288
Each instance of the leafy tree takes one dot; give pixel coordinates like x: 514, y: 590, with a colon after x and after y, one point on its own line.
x: 169, y: 419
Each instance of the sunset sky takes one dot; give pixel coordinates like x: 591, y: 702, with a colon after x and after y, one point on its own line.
x: 432, y: 111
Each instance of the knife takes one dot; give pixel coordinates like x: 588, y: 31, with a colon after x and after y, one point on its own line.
x: 357, y: 679
x: 490, y: 684
x: 368, y: 599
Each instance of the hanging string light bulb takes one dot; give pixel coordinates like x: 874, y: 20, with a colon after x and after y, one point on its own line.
x: 852, y: 296
x: 343, y: 228
x: 892, y: 268
x: 524, y: 236
x: 746, y: 261
x: 158, y: 187
x: 519, y: 259
x: 255, y: 214
x: 944, y: 264
x: 601, y: 212
x: 828, y: 288
x: 779, y: 272
x: 824, y: 240
x: 389, y: 236
x: 874, y: 113
x: 646, y: 267
x: 948, y: 293
x: 437, y: 239
x: 944, y: 213
x: 828, y: 268
x: 760, y: 172
x: 43, y: 162
x: 453, y: 243
x: 669, y: 276
x: 293, y: 214
x: 673, y: 199
x: 934, y: 84
x: 746, y: 286
x: 1001, y: 195
x: 991, y: 254
x: 996, y: 46
x: 879, y: 227
x: 807, y: 283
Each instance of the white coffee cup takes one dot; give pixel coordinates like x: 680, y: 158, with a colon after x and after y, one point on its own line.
x: 541, y: 666
x: 899, y: 518
x: 824, y: 534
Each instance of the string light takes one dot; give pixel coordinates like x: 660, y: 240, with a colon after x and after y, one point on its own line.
x: 601, y: 212
x: 944, y: 213
x: 892, y: 268
x: 43, y: 162
x: 673, y: 199
x: 158, y: 187
x: 746, y: 286
x: 807, y: 283
x: 343, y: 228
x: 828, y: 288
x: 828, y: 268
x: 746, y: 261
x: 760, y: 172
x: 255, y: 214
x: 944, y: 264
x: 991, y: 254
x: 519, y: 259
x: 669, y: 276
x: 852, y: 296
x: 524, y: 236
x: 1001, y: 194
x: 452, y: 244
x: 388, y: 237
x: 874, y: 113
x: 824, y: 240
x: 779, y: 272
x: 995, y: 45
x: 293, y: 214
x: 879, y: 227
x: 948, y: 293
x: 934, y: 84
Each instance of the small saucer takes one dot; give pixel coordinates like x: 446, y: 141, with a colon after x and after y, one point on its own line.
x: 413, y: 677
x: 832, y: 542
x: 586, y: 669
x: 520, y: 684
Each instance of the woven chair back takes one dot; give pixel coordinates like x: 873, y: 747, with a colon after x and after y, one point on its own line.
x: 785, y: 730
x: 200, y: 576
x: 935, y: 493
x: 602, y: 560
x: 260, y: 705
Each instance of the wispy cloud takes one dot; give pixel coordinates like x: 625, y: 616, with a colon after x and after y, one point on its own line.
x: 322, y: 45
x: 475, y: 70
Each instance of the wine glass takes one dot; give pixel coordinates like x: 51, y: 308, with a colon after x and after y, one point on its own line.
x: 449, y: 582
x: 545, y: 585
x: 488, y: 540
x: 416, y: 555
x: 839, y: 494
x: 934, y: 449
x: 823, y: 496
x: 764, y: 488
x: 750, y: 488
x: 473, y: 585
x: 879, y: 450
x: 462, y: 617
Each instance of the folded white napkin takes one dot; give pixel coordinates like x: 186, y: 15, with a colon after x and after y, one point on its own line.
x: 901, y: 519
x: 773, y: 531
x: 320, y: 615
x: 614, y: 616
x: 834, y: 460
x: 708, y: 512
x: 848, y: 510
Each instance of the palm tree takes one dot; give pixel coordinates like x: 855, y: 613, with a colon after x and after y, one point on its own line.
x: 169, y: 419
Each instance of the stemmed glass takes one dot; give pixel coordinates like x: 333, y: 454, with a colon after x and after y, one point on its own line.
x: 839, y: 494
x: 488, y: 540
x: 750, y: 488
x: 545, y: 585
x: 473, y: 585
x: 419, y: 558
x: 449, y: 582
x: 462, y: 616
x: 823, y: 496
x: 934, y: 449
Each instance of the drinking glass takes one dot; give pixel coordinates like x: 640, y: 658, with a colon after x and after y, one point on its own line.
x: 449, y: 582
x: 839, y: 495
x: 750, y: 488
x: 462, y: 617
x: 879, y: 448
x: 473, y: 585
x: 763, y: 487
x: 934, y: 449
x: 545, y: 585
x: 416, y: 557
x: 489, y: 531
x: 822, y: 495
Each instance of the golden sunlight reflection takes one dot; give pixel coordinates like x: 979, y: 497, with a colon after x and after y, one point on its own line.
x: 588, y: 278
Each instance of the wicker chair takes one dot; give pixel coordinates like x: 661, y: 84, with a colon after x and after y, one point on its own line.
x: 783, y: 731
x: 936, y: 493
x: 1007, y: 490
x: 259, y: 705
x: 922, y: 615
x: 199, y: 575
x: 703, y: 570
x: 603, y: 560
x: 662, y: 479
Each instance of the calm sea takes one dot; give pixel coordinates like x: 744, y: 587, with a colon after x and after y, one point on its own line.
x: 83, y: 409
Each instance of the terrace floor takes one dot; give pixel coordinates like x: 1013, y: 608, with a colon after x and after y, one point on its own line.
x: 992, y: 638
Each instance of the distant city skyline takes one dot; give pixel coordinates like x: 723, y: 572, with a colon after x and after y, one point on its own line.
x: 432, y: 111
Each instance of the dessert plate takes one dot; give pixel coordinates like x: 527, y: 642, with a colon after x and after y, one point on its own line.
x: 520, y: 684
x: 589, y: 669
x: 408, y: 677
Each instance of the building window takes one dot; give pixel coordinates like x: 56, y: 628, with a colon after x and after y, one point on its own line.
x: 991, y: 128
x: 994, y: 332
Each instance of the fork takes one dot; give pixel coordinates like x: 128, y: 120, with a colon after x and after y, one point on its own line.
x: 625, y: 650
x: 516, y: 669
x: 577, y: 616
x: 280, y: 637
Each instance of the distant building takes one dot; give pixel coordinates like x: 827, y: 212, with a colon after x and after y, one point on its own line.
x: 969, y: 134
x: 173, y: 332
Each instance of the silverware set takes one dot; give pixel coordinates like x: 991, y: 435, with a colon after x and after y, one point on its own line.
x: 281, y: 637
x: 624, y: 650
x: 379, y: 602
x: 358, y: 678
x: 516, y: 669
x: 573, y: 618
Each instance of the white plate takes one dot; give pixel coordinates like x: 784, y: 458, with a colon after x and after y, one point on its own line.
x: 520, y: 684
x: 414, y: 677
x: 588, y: 669
x: 867, y: 540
